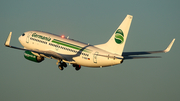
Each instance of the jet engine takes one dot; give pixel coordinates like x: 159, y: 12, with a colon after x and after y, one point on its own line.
x: 30, y: 56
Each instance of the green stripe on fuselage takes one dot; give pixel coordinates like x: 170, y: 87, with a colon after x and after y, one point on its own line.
x: 69, y: 45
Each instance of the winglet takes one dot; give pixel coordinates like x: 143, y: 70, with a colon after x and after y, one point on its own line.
x: 7, y: 43
x: 169, y: 47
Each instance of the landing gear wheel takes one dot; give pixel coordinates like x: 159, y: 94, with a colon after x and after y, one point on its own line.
x: 61, y: 67
x: 64, y: 64
x: 77, y: 67
x: 61, y: 64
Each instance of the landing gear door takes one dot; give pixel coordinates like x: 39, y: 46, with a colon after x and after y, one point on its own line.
x: 95, y: 57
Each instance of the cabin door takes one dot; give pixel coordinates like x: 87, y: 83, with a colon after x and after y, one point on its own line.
x: 95, y: 57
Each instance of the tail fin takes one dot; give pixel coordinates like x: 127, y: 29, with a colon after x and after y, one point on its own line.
x: 117, y: 41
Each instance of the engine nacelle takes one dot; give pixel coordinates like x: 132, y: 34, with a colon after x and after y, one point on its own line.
x: 30, y: 56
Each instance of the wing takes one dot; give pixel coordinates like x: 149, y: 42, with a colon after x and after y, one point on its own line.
x: 149, y: 52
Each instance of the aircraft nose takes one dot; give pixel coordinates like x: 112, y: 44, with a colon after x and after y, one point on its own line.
x: 19, y: 39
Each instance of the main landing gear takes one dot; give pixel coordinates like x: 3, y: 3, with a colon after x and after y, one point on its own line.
x: 63, y: 64
x: 77, y: 67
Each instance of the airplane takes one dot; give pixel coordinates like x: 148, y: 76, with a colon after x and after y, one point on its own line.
x: 39, y: 45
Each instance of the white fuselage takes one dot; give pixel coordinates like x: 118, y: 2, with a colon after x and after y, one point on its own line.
x: 38, y: 44
x: 73, y: 51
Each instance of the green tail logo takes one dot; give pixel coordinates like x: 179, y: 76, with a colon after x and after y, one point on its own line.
x: 119, y: 36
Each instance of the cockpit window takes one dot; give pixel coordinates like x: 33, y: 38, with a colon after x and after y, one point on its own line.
x: 23, y: 34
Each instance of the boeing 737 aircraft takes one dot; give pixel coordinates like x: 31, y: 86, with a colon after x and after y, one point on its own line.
x: 39, y: 45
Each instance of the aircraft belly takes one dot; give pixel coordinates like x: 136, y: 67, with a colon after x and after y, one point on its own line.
x: 101, y: 62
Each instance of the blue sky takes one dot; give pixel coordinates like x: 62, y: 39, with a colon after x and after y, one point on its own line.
x: 155, y: 23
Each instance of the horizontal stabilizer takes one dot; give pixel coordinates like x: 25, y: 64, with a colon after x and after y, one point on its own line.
x: 169, y: 47
x: 140, y: 57
x: 149, y: 52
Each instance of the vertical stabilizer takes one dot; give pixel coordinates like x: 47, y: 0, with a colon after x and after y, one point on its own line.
x: 118, y: 39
